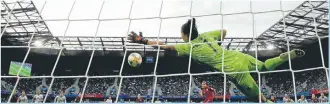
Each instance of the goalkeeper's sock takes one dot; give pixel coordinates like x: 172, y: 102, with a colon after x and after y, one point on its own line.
x: 272, y: 63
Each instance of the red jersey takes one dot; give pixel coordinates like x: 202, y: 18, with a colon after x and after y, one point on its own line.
x: 77, y: 99
x: 139, y: 100
x: 209, y: 94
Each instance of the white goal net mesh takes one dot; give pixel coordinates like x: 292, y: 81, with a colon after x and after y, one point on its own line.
x: 29, y: 33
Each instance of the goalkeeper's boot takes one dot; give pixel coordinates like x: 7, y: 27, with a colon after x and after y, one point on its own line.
x: 271, y: 64
x: 296, y: 53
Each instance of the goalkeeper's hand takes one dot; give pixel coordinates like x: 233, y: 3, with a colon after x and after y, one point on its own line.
x: 134, y: 38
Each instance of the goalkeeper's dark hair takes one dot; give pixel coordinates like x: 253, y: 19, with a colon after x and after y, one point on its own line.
x: 185, y: 29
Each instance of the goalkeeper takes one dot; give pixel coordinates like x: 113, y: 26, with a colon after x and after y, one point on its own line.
x: 212, y: 54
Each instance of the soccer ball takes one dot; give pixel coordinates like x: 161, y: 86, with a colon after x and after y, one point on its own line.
x: 134, y: 59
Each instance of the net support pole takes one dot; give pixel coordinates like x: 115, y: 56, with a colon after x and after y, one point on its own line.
x: 125, y: 54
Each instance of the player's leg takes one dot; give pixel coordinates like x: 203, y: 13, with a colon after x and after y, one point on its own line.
x: 253, y: 64
x: 271, y: 64
x: 246, y: 84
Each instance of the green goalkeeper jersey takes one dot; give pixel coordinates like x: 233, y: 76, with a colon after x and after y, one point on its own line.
x: 211, y: 53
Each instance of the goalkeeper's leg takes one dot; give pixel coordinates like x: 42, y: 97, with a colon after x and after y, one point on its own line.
x: 271, y: 64
x: 246, y: 84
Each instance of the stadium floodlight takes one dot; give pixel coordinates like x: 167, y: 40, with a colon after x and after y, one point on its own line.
x: 38, y: 43
x: 270, y: 46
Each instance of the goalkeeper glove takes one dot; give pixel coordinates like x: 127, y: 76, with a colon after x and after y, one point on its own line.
x: 134, y: 38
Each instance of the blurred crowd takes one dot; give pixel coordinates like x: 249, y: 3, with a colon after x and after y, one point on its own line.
x: 311, y: 80
x: 276, y: 87
x: 65, y: 84
x: 98, y: 85
x: 135, y: 86
x: 174, y: 86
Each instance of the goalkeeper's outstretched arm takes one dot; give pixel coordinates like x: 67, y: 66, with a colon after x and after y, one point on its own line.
x: 134, y: 38
x: 162, y: 45
x: 138, y: 38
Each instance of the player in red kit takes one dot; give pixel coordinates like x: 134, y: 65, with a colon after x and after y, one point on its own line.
x: 139, y: 99
x: 77, y: 99
x: 208, y: 93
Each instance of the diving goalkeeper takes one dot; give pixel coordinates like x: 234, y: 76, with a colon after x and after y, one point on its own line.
x: 211, y: 54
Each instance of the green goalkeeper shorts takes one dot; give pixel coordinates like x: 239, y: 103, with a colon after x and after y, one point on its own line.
x: 242, y: 63
x: 244, y: 81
